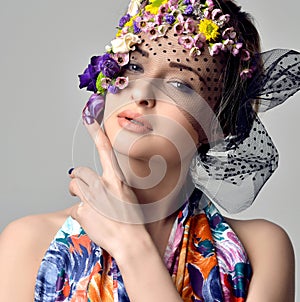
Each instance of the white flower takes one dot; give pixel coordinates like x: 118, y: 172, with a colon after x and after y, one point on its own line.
x: 161, y: 30
x: 195, y: 51
x: 108, y: 48
x: 125, y: 43
x: 134, y: 7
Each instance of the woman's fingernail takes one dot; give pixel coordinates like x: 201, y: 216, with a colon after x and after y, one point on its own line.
x: 70, y: 171
x: 93, y: 108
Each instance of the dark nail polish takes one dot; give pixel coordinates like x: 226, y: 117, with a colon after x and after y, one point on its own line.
x: 70, y: 171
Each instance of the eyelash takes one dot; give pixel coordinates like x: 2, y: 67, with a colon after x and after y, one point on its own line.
x: 183, y: 87
x: 133, y: 67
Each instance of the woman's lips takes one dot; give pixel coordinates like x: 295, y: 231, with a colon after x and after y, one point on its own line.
x: 134, y: 122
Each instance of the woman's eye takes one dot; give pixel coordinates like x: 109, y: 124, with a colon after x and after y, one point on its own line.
x: 183, y: 87
x: 134, y: 67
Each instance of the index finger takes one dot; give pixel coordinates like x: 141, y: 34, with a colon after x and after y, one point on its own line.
x: 105, y: 150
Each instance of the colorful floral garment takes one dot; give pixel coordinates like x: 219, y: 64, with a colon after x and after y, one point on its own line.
x: 205, y: 258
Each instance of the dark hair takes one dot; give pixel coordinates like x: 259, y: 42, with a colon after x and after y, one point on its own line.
x: 235, y: 112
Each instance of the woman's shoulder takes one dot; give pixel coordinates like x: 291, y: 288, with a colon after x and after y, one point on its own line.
x: 260, y: 232
x: 32, y: 231
x: 31, y: 227
x: 270, y: 251
x: 23, y: 244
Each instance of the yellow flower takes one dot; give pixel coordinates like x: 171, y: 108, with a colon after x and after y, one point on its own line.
x: 119, y: 33
x: 154, y: 6
x: 209, y: 29
x: 130, y: 22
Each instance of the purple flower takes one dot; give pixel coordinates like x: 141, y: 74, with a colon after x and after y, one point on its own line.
x: 124, y: 20
x: 136, y: 29
x: 186, y: 2
x: 170, y: 19
x: 189, y: 10
x: 113, y: 89
x: 89, y: 77
x: 108, y: 66
x: 93, y: 108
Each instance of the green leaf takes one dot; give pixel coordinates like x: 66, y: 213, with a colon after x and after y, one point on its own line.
x: 157, y: 3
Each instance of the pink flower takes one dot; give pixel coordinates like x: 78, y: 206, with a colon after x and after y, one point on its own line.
x: 143, y: 25
x: 199, y: 40
x: 236, y: 49
x: 225, y: 18
x: 152, y: 32
x: 180, y: 18
x: 121, y: 82
x: 239, y: 45
x: 214, y: 49
x: 187, y: 42
x: 179, y: 28
x: 147, y: 16
x: 246, y: 74
x: 173, y: 4
x: 189, y: 25
x: 216, y: 13
x: 245, y: 55
x: 207, y: 14
x: 210, y: 4
x: 121, y: 58
x: 228, y: 44
x: 229, y: 33
x: 159, y: 19
x: 163, y: 9
x: 105, y: 82
x: 124, y: 31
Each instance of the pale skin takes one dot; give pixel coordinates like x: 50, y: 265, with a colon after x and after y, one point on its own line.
x: 24, y: 241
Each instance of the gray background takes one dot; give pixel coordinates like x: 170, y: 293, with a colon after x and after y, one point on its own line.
x: 45, y: 45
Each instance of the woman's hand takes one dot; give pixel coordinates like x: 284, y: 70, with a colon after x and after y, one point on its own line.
x: 107, y: 205
x: 104, y: 200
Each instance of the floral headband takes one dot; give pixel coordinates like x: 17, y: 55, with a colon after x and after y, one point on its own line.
x: 197, y: 23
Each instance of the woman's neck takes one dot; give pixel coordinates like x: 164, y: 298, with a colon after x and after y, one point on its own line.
x: 160, y: 187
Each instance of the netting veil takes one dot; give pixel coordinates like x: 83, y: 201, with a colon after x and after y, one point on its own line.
x: 233, y: 171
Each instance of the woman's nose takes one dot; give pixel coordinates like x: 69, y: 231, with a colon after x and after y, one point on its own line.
x: 143, y: 93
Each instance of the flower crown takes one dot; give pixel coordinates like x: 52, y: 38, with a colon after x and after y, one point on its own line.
x: 197, y: 23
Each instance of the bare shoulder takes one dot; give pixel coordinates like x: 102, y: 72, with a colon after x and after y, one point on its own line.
x: 23, y: 244
x: 271, y: 254
x: 37, y: 228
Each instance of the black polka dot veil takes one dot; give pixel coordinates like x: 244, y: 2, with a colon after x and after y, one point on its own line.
x: 234, y: 171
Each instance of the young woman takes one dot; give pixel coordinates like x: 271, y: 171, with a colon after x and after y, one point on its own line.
x: 180, y: 86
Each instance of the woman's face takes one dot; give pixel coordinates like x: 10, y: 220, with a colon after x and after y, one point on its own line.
x: 169, y: 95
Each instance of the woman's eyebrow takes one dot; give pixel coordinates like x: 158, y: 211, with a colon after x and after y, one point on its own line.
x: 144, y: 53
x: 182, y: 66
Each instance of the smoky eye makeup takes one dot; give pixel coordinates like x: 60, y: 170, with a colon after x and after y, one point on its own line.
x: 181, y: 86
x: 134, y: 67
